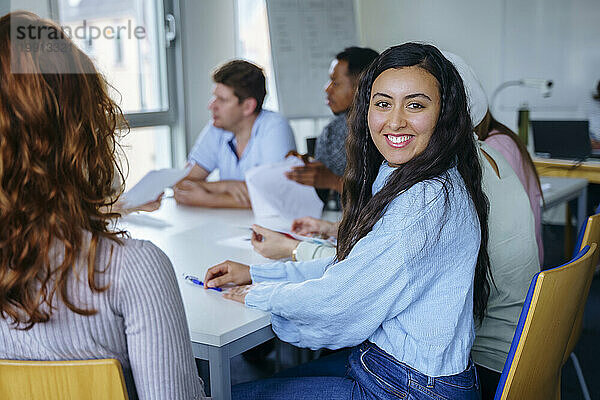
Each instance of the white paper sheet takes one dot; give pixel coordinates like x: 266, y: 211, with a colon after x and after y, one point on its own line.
x: 272, y: 194
x: 143, y: 219
x: 240, y: 242
x: 152, y: 185
x: 331, y: 241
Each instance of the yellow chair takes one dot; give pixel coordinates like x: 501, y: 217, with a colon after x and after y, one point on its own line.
x: 535, y: 359
x: 589, y: 235
x: 62, y: 380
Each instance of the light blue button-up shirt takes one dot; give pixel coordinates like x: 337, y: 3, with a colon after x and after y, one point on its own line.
x: 407, y: 286
x: 270, y: 140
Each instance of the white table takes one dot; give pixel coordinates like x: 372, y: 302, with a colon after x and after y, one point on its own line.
x: 562, y: 190
x: 196, y: 239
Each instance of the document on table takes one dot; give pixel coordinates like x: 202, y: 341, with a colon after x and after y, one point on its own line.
x: 331, y: 241
x: 152, y: 185
x: 240, y: 242
x: 273, y: 194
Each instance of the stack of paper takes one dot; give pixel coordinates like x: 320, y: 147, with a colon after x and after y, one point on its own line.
x: 152, y: 185
x: 272, y: 194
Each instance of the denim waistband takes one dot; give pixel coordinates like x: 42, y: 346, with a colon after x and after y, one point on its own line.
x: 380, y: 371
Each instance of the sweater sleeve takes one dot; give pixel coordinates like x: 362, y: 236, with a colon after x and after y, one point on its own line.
x: 353, y: 297
x: 158, y: 342
x: 310, y: 251
x: 289, y: 271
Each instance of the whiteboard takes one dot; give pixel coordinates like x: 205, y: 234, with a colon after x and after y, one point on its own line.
x: 305, y: 36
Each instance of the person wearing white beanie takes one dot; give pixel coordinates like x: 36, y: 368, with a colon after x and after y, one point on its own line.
x: 512, y: 245
x: 476, y: 97
x: 501, y: 138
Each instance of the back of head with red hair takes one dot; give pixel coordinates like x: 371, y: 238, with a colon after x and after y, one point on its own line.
x: 57, y: 164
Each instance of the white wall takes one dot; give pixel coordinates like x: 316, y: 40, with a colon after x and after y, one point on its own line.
x: 385, y: 23
x: 481, y: 31
x: 502, y: 40
x: 208, y: 39
x: 557, y: 40
x: 477, y: 30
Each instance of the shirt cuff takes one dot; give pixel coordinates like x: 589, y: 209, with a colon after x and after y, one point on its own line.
x: 273, y: 271
x: 259, y: 296
x: 307, y: 251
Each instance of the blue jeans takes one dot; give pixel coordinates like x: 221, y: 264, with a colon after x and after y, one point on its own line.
x: 371, y: 373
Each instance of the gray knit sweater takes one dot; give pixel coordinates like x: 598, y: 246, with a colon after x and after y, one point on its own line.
x: 140, y: 321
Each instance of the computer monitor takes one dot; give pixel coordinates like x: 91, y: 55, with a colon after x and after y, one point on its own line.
x: 562, y: 139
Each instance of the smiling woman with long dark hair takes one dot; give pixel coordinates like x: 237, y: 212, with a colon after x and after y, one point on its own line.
x: 412, y: 264
x: 447, y: 147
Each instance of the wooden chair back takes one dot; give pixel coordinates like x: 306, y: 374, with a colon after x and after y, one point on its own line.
x: 62, y: 380
x: 535, y: 359
x: 591, y: 235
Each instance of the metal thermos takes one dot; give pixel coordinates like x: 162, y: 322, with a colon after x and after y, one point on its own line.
x: 523, y: 122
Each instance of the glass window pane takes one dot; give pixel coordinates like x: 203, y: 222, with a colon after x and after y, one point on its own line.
x: 254, y: 43
x: 125, y: 40
x: 145, y: 149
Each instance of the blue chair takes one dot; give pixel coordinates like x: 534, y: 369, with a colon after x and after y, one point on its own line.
x: 555, y: 296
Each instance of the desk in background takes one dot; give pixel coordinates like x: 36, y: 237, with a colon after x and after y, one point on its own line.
x: 560, y: 191
x: 589, y: 170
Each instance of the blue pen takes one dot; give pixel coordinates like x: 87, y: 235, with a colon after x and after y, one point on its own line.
x: 195, y: 281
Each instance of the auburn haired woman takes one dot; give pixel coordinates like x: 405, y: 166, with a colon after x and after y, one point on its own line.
x: 70, y: 288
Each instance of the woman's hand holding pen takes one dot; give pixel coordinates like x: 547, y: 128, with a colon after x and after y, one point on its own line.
x: 271, y: 244
x: 227, y: 272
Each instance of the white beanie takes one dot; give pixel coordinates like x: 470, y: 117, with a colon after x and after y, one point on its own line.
x: 476, y: 97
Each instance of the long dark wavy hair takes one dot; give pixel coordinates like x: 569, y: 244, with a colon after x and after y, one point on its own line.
x: 452, y: 144
x: 58, y: 161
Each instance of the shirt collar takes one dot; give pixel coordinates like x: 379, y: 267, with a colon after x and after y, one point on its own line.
x: 256, y: 123
x: 382, y: 177
x: 231, y: 142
